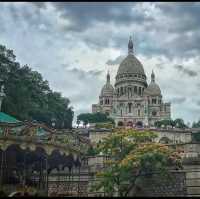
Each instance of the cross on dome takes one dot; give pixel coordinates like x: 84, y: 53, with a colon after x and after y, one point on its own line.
x: 130, y: 46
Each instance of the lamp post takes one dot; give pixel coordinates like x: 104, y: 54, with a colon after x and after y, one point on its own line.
x: 2, y: 94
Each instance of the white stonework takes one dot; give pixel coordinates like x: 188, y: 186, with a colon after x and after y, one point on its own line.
x: 132, y: 101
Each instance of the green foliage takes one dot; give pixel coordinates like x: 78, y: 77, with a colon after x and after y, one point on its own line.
x: 94, y: 118
x: 130, y: 155
x: 196, y: 136
x: 178, y: 123
x: 91, y: 151
x: 107, y: 125
x: 196, y: 124
x: 28, y: 96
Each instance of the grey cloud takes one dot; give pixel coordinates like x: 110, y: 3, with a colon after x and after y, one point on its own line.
x: 187, y: 15
x: 198, y: 103
x: 160, y: 66
x: 84, y: 74
x: 83, y: 15
x: 178, y: 100
x: 187, y: 71
x: 115, y: 61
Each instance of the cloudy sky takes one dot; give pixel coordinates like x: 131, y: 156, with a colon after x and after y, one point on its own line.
x: 74, y: 44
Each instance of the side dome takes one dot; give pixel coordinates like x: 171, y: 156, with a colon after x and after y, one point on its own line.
x: 153, y: 88
x: 107, y: 89
x: 131, y: 65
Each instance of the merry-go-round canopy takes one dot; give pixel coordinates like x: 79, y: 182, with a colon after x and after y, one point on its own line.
x: 7, y: 118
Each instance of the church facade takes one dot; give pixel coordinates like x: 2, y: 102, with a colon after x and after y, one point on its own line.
x: 132, y: 101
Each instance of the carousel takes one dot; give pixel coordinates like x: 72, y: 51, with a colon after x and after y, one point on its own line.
x: 33, y: 155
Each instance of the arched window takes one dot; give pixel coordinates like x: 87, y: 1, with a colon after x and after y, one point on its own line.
x: 140, y: 91
x: 129, y: 107
x: 108, y: 101
x: 154, y: 113
x: 121, y: 112
x: 138, y: 112
x: 129, y: 91
x: 120, y: 123
x: 121, y: 91
x: 154, y: 101
x: 135, y: 89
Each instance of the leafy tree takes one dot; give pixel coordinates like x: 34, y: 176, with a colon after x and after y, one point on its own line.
x: 130, y: 155
x: 179, y: 123
x: 196, y: 136
x: 196, y: 124
x: 94, y: 118
x: 28, y: 95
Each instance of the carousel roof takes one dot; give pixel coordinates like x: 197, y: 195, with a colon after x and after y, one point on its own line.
x: 7, y: 118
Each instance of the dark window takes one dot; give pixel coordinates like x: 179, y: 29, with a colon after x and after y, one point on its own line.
x: 135, y: 89
x: 154, y: 113
x: 140, y: 91
x: 139, y: 112
x: 129, y: 107
x: 153, y: 101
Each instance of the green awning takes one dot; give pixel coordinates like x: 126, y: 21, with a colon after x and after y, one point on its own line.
x: 7, y: 118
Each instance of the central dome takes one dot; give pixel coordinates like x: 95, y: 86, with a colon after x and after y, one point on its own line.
x: 131, y: 65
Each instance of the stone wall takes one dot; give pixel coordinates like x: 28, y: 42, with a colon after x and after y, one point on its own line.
x: 155, y: 186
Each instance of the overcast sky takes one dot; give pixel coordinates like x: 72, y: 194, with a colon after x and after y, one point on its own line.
x: 74, y: 44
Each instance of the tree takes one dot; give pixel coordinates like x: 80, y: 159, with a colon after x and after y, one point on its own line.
x: 130, y: 155
x: 196, y: 124
x: 94, y: 118
x: 28, y: 95
x: 179, y: 123
x: 196, y: 136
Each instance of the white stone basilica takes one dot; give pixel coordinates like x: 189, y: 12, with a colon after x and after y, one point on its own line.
x: 132, y: 101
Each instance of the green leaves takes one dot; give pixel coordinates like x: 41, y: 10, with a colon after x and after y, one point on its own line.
x: 94, y: 118
x: 28, y: 95
x: 132, y: 154
x: 178, y: 123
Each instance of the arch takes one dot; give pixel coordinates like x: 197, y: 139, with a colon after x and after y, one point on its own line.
x: 130, y: 123
x: 135, y: 89
x: 129, y: 107
x: 139, y: 124
x: 138, y: 112
x: 165, y: 140
x: 140, y: 91
x: 120, y: 123
x: 154, y: 113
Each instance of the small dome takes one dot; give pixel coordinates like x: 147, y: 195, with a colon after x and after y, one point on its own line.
x: 153, y: 89
x: 131, y: 65
x: 107, y: 90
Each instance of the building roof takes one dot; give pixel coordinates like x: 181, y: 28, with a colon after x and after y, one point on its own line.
x: 7, y: 118
x: 153, y: 89
x: 107, y: 89
x: 131, y: 65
